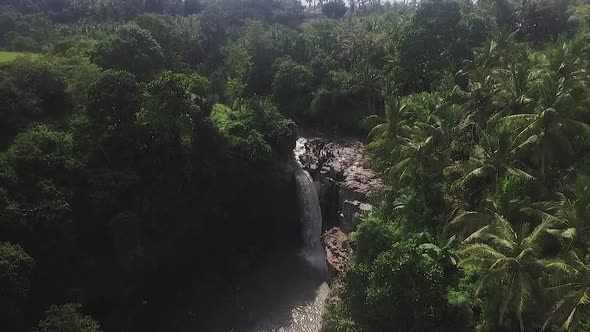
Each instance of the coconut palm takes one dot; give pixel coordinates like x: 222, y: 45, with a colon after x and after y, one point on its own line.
x: 394, y: 125
x: 552, y: 129
x: 505, y: 202
x: 512, y: 266
x: 573, y: 294
x: 515, y: 86
x: 416, y: 158
x: 569, y: 217
x: 495, y: 157
x: 390, y: 132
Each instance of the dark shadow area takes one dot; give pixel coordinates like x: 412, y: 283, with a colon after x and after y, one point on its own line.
x: 277, y: 293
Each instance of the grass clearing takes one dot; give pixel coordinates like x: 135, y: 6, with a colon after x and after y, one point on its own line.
x: 9, y: 56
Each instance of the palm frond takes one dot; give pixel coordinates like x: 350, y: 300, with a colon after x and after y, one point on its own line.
x: 468, y: 222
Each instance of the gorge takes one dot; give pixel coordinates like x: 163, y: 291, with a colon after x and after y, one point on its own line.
x: 338, y: 194
x: 287, y: 288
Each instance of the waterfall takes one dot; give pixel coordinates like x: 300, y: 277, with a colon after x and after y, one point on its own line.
x: 311, y: 219
x: 302, y: 276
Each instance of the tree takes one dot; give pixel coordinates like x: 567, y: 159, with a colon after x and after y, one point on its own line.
x: 334, y: 9
x: 132, y: 49
x: 114, y: 98
x: 416, y: 158
x: 170, y: 105
x: 540, y: 21
x: 238, y: 64
x: 16, y: 267
x: 391, y: 132
x: 166, y: 33
x: 292, y: 87
x: 573, y: 294
x: 37, y: 172
x: 553, y: 126
x: 31, y: 90
x: 511, y: 265
x: 495, y: 157
x: 405, y: 280
x: 569, y: 217
x: 393, y: 126
x: 66, y: 318
x: 423, y: 50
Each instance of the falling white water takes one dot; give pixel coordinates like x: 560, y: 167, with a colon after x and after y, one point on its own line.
x: 311, y: 219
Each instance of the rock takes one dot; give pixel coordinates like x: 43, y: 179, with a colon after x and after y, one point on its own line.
x: 329, y: 201
x: 338, y: 252
x: 352, y: 212
x: 342, y: 163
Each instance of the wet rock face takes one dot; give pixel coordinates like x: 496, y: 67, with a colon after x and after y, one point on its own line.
x: 345, y: 179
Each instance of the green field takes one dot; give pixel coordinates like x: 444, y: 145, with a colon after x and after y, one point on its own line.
x: 8, y: 56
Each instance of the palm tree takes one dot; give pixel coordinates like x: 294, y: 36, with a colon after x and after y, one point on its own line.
x: 515, y: 86
x: 393, y: 126
x: 512, y: 266
x: 505, y: 202
x: 569, y: 217
x: 478, y: 100
x: 367, y: 80
x: 573, y: 295
x: 390, y: 132
x: 563, y: 61
x: 553, y: 127
x: 416, y: 157
x: 495, y: 157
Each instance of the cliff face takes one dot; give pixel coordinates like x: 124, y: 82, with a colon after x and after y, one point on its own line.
x: 344, y: 182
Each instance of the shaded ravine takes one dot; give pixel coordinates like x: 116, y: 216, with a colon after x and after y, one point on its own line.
x: 284, y: 291
x: 305, y: 312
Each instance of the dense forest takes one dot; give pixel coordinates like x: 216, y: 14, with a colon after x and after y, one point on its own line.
x: 144, y: 144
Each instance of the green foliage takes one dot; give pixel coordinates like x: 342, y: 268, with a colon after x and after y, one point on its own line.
x: 132, y: 49
x: 544, y: 20
x: 172, y: 106
x: 15, y: 274
x: 23, y: 44
x: 35, y: 171
x: 7, y: 56
x: 31, y: 90
x: 254, y: 131
x: 406, y: 279
x: 292, y: 86
x: 66, y: 318
x: 429, y: 44
x: 491, y: 161
x: 114, y: 98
